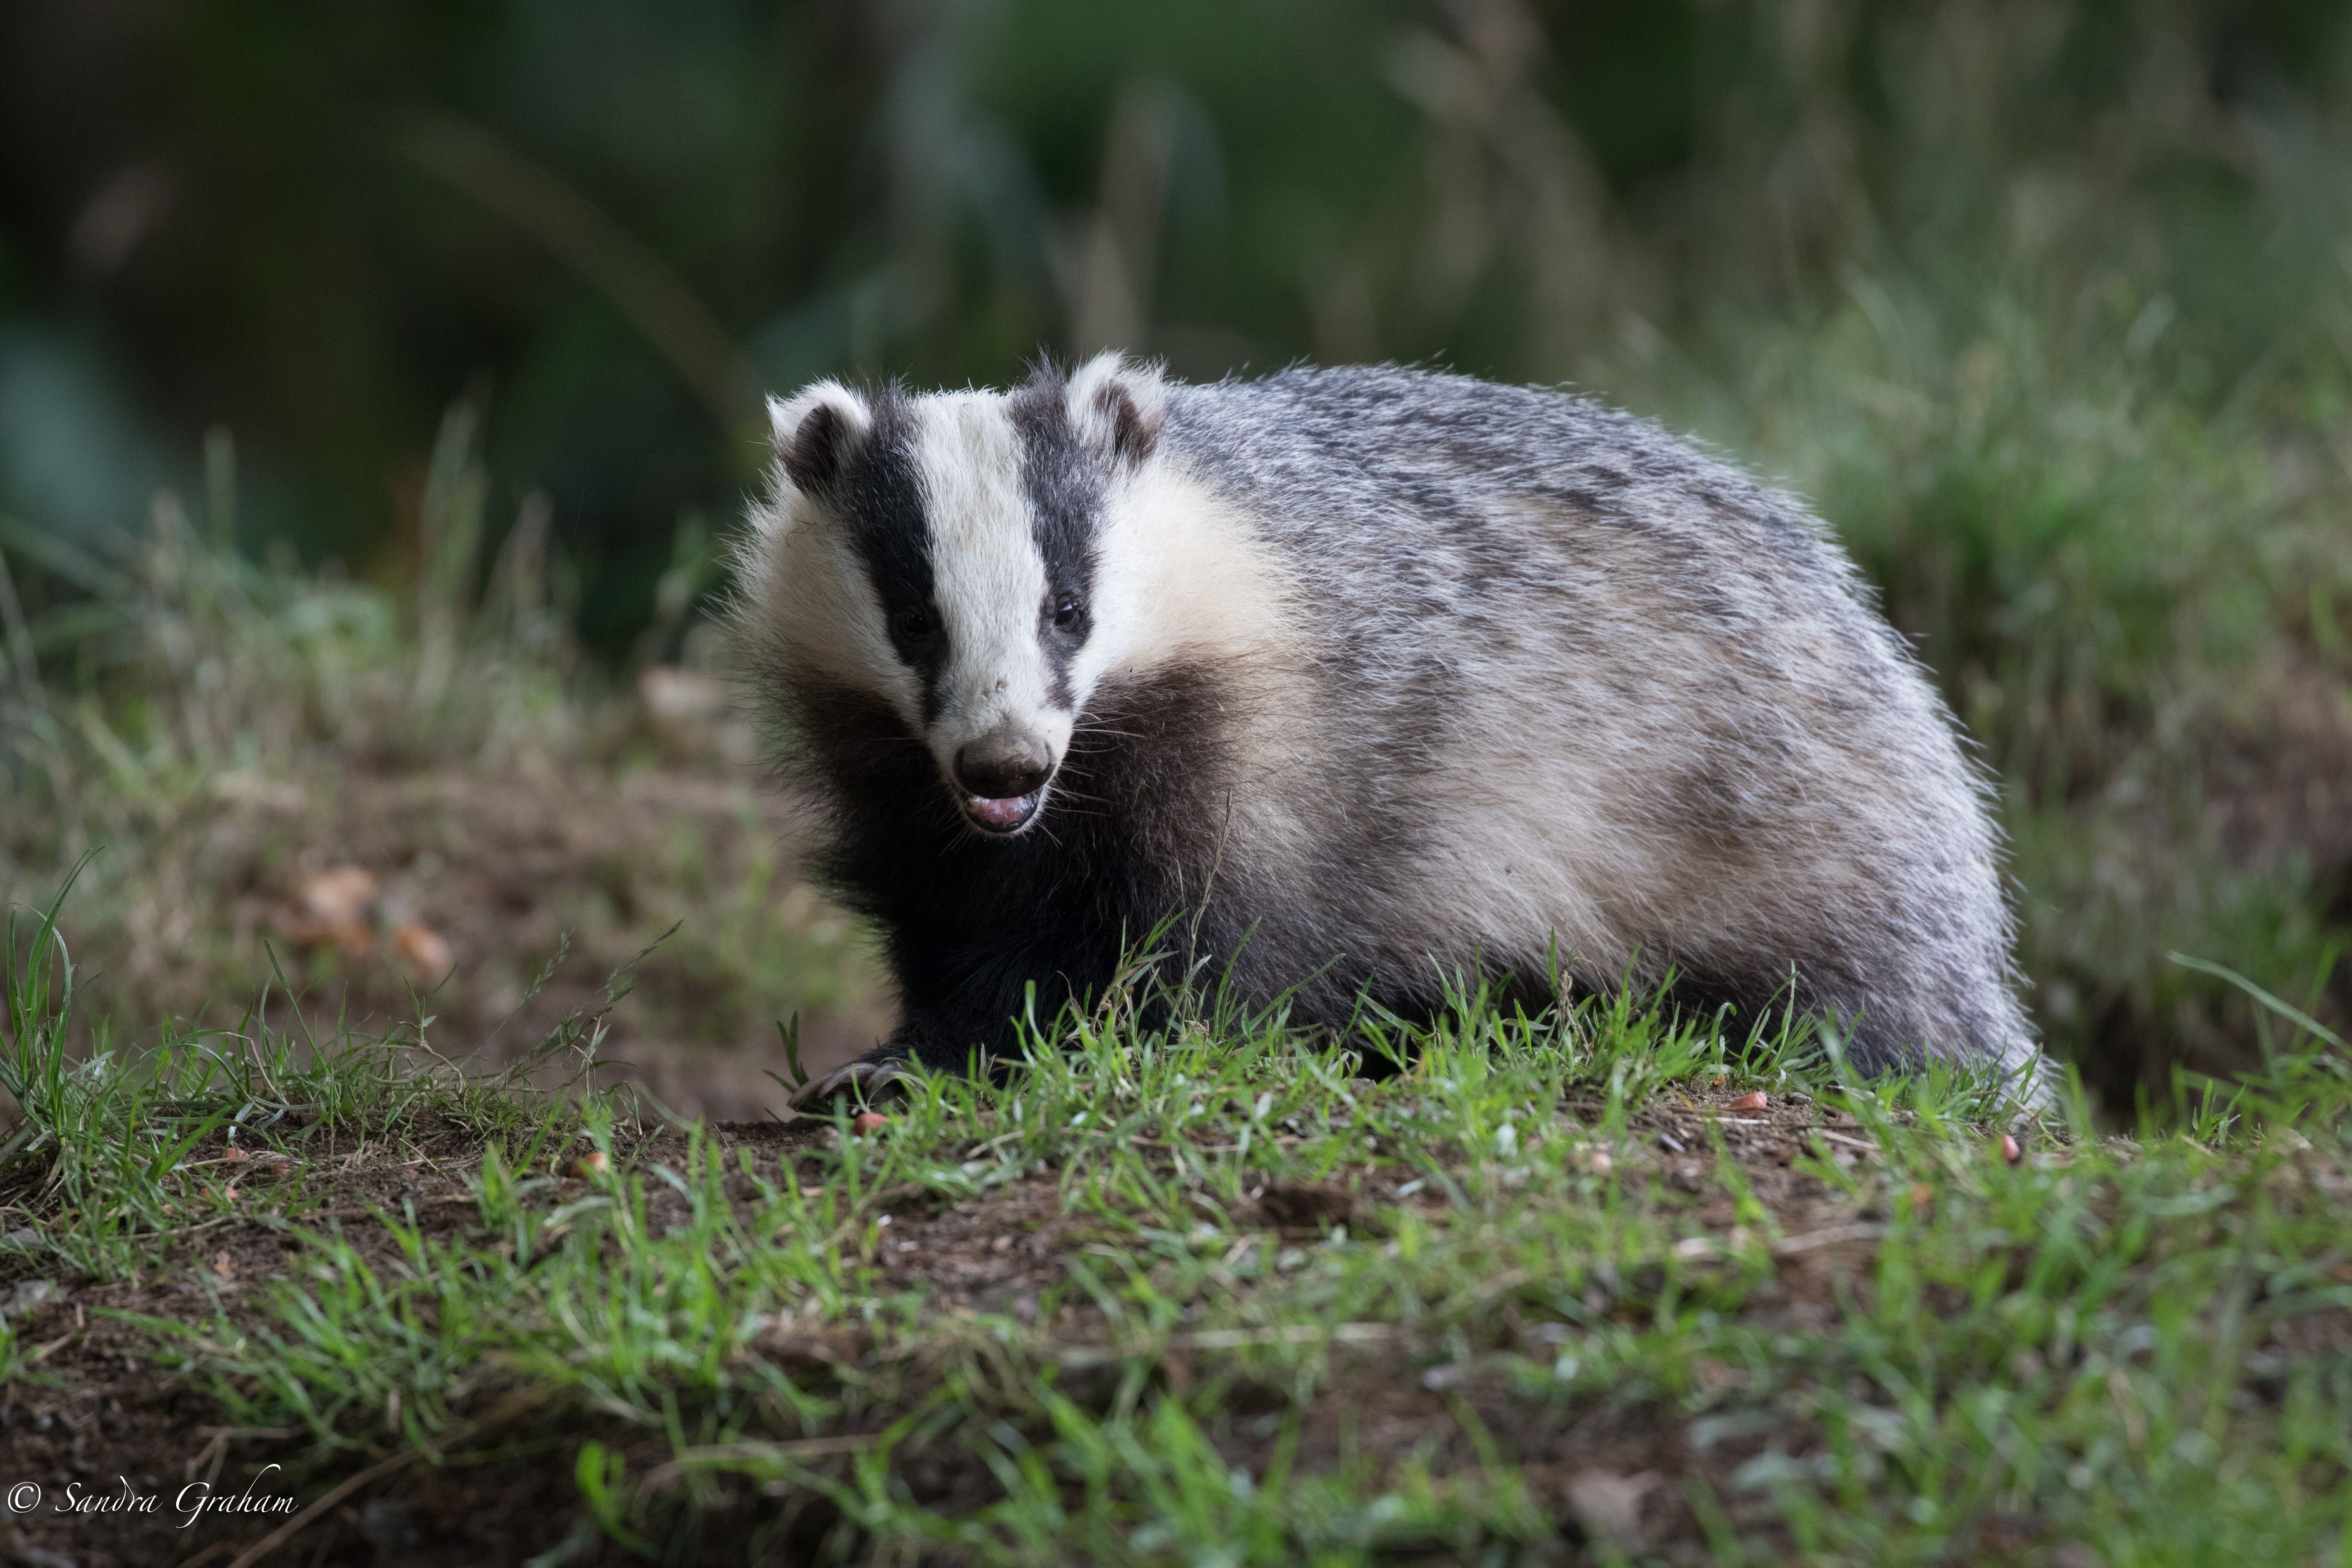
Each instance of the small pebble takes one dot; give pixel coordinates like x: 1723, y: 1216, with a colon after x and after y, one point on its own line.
x: 29, y: 1295
x: 1756, y: 1100
x: 866, y: 1121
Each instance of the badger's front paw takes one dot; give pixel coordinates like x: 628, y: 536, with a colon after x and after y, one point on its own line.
x: 865, y: 1080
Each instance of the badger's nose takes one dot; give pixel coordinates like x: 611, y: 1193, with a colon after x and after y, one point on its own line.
x: 1003, y: 763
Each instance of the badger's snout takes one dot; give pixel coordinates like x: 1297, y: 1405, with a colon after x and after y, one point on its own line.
x: 1001, y: 776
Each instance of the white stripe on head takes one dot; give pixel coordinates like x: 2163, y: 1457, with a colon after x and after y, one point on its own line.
x: 987, y: 577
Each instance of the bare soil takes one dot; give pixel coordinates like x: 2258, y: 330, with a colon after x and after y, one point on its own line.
x: 108, y: 1421
x: 496, y: 903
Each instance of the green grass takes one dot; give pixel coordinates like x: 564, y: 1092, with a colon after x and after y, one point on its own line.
x: 2055, y: 342
x: 1846, y: 1328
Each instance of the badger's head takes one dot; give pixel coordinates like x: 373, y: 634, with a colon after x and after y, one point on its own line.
x: 942, y: 553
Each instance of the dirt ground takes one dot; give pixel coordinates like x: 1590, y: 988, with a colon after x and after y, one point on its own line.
x: 496, y: 902
x: 111, y: 1425
x: 507, y: 869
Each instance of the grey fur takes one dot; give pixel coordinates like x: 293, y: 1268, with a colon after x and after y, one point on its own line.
x: 1534, y: 670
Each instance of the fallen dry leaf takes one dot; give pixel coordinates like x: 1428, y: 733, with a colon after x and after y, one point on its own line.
x: 339, y: 893
x: 424, y: 950
x: 594, y: 1163
x: 1756, y: 1100
x: 866, y: 1121
x: 335, y: 914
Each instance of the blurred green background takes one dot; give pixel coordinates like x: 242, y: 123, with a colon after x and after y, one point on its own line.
x: 2046, y: 306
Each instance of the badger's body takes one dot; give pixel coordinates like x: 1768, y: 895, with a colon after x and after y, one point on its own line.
x: 1393, y: 675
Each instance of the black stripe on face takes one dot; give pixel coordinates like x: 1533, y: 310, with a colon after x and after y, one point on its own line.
x: 881, y: 499
x: 1065, y: 483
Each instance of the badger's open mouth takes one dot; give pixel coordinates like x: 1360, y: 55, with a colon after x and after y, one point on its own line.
x: 1008, y: 815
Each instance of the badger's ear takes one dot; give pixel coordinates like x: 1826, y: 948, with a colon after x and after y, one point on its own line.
x: 1117, y: 408
x: 815, y: 431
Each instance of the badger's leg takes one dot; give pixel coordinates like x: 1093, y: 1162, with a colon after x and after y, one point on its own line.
x: 962, y: 1034
x: 1905, y: 986
x: 940, y: 1041
x: 917, y: 1043
x: 964, y: 1008
x: 1968, y: 1016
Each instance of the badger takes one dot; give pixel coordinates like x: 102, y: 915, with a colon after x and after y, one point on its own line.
x: 1386, y: 677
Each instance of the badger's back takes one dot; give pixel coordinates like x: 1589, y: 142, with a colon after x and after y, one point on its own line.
x: 1568, y: 679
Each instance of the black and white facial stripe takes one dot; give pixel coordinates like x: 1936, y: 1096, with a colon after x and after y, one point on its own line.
x: 1065, y: 483
x: 973, y: 524
x: 881, y: 500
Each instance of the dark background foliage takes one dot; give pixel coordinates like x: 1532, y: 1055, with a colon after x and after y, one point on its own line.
x: 317, y: 225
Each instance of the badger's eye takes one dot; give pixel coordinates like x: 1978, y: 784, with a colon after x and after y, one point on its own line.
x: 1067, y: 612
x: 911, y: 626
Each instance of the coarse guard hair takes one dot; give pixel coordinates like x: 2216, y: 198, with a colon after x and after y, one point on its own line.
x: 1388, y: 676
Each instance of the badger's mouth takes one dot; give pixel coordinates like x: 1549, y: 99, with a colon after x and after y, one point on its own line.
x: 1000, y: 778
x: 1003, y: 817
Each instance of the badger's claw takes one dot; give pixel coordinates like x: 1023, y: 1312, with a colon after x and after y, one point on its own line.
x: 864, y: 1080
